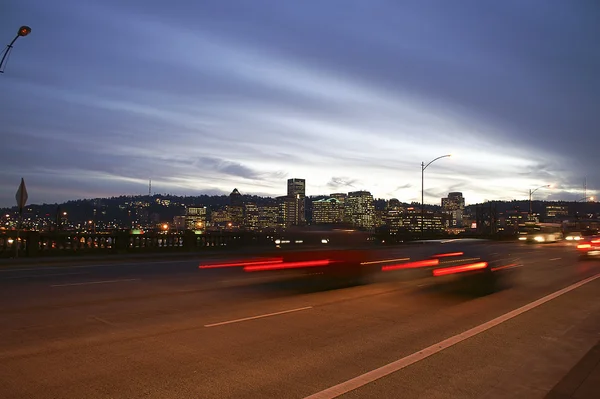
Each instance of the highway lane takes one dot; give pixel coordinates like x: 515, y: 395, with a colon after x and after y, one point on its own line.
x: 169, y: 330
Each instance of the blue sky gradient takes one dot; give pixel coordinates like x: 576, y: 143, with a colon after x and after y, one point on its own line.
x: 204, y: 96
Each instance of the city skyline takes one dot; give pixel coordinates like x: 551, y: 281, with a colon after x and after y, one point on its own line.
x: 247, y: 96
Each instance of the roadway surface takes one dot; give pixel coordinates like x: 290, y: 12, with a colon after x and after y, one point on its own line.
x: 165, y: 329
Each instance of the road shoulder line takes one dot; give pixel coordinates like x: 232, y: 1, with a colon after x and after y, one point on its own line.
x: 373, y: 375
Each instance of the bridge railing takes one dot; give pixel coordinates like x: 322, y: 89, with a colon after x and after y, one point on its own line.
x: 36, y: 244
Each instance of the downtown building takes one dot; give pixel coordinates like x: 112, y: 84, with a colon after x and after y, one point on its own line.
x: 454, y: 207
x: 433, y: 222
x: 235, y: 209
x: 359, y: 210
x: 195, y: 218
x: 327, y: 211
x: 292, y: 207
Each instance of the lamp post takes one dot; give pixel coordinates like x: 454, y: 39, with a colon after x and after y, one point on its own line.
x: 22, y: 32
x: 531, y: 192
x: 423, y: 167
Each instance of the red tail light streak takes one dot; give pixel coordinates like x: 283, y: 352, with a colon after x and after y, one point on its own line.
x: 584, y: 246
x: 287, y: 265
x: 411, y: 265
x: 243, y: 263
x: 449, y: 254
x: 460, y: 269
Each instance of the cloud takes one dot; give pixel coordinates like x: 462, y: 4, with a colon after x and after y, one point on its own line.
x: 341, y: 182
x: 228, y: 167
x: 244, y: 95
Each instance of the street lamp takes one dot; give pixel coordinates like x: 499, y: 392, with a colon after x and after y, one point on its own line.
x: 423, y: 167
x: 22, y: 32
x: 531, y: 192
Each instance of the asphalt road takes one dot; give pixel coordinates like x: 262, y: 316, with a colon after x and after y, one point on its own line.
x: 165, y: 329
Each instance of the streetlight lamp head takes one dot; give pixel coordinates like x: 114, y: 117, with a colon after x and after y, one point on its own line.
x: 24, y: 31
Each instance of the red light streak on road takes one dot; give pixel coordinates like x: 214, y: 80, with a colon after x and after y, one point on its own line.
x: 411, y: 265
x: 242, y: 263
x: 460, y: 269
x: 448, y: 254
x: 512, y: 265
x: 287, y: 265
x: 584, y: 246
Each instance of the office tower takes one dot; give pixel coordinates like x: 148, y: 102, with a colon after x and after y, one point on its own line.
x: 360, y: 209
x: 454, y: 206
x: 327, y: 211
x: 296, y: 190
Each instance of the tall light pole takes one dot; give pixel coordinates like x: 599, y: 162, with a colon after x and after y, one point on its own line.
x: 22, y: 32
x: 531, y: 192
x: 423, y: 167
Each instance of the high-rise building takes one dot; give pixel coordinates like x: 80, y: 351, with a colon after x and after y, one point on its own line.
x: 268, y: 217
x: 288, y: 213
x: 251, y: 216
x: 327, y: 211
x: 341, y: 197
x: 220, y: 217
x: 360, y: 209
x: 432, y: 221
x: 296, y: 190
x: 236, y: 208
x: 296, y: 187
x: 235, y: 198
x: 454, y: 206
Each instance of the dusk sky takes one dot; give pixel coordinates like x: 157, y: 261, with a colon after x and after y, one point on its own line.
x: 207, y: 95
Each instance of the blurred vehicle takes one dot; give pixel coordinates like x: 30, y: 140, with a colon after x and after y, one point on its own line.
x: 335, y: 254
x: 574, y: 236
x: 580, y: 227
x: 482, y: 265
x: 533, y: 232
x: 590, y: 247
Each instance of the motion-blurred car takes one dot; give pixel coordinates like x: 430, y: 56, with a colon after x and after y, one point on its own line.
x: 580, y: 235
x: 590, y: 247
x: 483, y: 265
x: 333, y: 254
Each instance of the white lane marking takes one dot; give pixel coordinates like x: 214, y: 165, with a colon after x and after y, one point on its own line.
x: 42, y: 275
x: 556, y: 259
x: 95, y: 282
x: 257, y: 317
x: 366, y: 378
